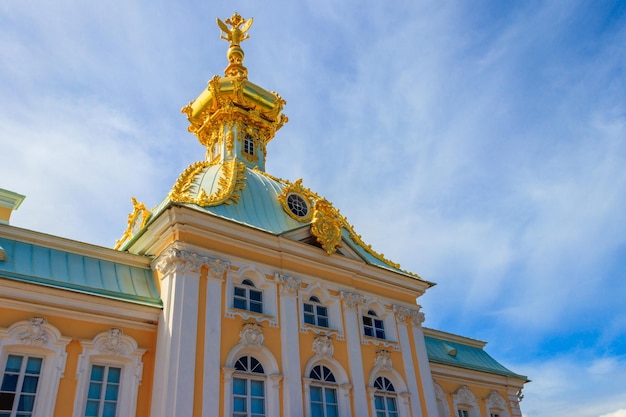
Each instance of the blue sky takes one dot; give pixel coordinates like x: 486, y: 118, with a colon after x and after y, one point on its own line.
x: 479, y: 144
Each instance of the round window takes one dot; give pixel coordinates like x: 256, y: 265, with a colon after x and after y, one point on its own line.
x: 297, y: 205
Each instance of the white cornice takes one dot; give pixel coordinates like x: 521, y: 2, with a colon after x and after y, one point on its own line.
x: 465, y: 376
x: 450, y: 337
x: 45, y: 300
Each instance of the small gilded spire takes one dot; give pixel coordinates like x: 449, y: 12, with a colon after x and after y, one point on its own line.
x: 235, y: 35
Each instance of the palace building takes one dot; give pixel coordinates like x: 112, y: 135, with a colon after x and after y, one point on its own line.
x: 239, y: 295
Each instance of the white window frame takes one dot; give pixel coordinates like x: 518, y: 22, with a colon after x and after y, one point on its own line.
x: 333, y: 305
x: 272, y: 377
x: 385, y: 369
x: 342, y: 385
x: 35, y: 337
x: 261, y: 283
x: 388, y: 319
x: 111, y: 348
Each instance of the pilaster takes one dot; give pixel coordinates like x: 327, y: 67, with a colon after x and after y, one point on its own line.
x: 417, y: 318
x: 351, y: 302
x: 402, y: 314
x: 292, y: 387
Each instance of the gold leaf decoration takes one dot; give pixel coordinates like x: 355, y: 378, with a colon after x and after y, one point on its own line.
x: 326, y: 226
x: 231, y: 182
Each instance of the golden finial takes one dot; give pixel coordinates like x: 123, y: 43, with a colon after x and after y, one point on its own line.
x: 235, y: 36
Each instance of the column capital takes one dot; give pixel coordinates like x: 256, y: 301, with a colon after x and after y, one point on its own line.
x: 289, y: 285
x: 174, y: 260
x: 352, y: 300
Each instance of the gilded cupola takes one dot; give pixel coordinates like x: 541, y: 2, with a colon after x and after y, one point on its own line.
x: 233, y: 117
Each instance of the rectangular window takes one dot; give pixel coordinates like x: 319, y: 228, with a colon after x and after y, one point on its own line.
x: 19, y: 386
x: 104, y: 387
x: 248, y: 398
x: 373, y: 327
x: 463, y: 413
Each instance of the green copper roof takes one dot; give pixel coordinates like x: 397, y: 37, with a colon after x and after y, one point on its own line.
x: 253, y: 198
x: 464, y: 355
x: 32, y: 263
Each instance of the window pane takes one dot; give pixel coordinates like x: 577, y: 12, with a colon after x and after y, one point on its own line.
x: 26, y: 403
x: 14, y: 363
x: 256, y: 307
x: 92, y: 409
x: 114, y: 374
x: 257, y: 405
x: 109, y: 409
x: 94, y: 390
x: 30, y: 384
x: 331, y: 395
x: 33, y: 366
x: 9, y: 382
x: 240, y: 304
x: 317, y: 409
x: 239, y: 404
x: 380, y: 334
x: 369, y: 331
x: 379, y: 402
x: 308, y: 308
x: 367, y: 321
x: 309, y: 318
x: 322, y: 322
x: 257, y: 389
x: 111, y: 392
x: 97, y: 373
x: 6, y: 400
x: 256, y: 295
x: 239, y: 386
x: 321, y: 311
x: 332, y: 411
x: 391, y: 404
x: 316, y: 394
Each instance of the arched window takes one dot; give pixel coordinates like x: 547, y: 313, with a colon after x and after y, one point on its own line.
x: 315, y: 312
x: 373, y: 326
x: 323, y: 391
x: 248, y: 388
x: 385, y: 398
x: 247, y: 297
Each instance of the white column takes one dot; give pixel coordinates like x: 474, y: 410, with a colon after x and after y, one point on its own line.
x: 292, y: 386
x: 176, y: 341
x: 402, y: 313
x: 351, y: 303
x: 417, y: 318
x: 213, y: 337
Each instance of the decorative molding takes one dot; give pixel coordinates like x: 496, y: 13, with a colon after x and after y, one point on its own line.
x: 116, y: 349
x: 383, y: 360
x: 417, y: 317
x: 173, y: 260
x: 495, y: 401
x: 251, y: 335
x: 217, y: 267
x: 289, y: 284
x: 402, y: 313
x: 352, y: 300
x: 34, y: 334
x: 464, y: 396
x: 323, y: 347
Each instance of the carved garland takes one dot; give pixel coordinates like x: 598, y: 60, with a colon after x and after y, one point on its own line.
x: 232, y: 181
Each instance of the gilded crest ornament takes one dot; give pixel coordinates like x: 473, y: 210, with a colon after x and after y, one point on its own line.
x: 326, y: 226
x: 234, y: 34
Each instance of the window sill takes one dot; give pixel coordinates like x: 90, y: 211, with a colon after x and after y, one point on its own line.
x: 366, y: 340
x: 231, y: 312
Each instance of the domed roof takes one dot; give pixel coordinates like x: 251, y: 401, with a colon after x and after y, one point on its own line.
x: 235, y: 119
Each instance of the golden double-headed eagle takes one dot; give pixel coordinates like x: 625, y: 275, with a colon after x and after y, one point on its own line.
x: 234, y: 34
